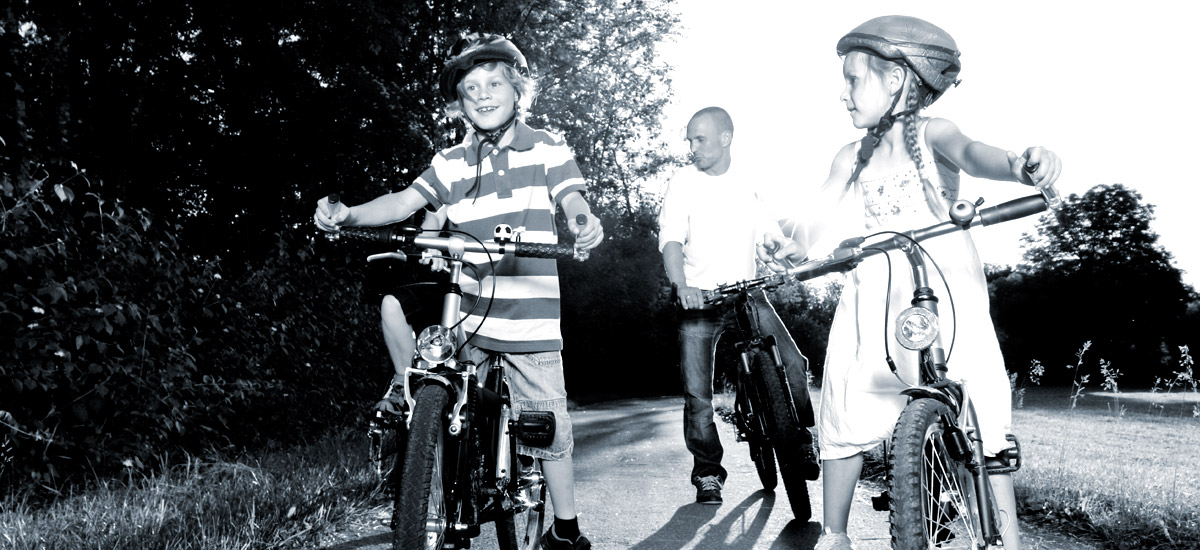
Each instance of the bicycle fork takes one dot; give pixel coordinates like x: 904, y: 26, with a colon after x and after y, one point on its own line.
x: 961, y: 434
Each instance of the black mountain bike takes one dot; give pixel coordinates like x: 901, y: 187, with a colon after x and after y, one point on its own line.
x: 939, y: 493
x: 765, y: 416
x: 459, y: 466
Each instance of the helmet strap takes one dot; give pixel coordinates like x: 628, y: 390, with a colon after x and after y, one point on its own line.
x: 874, y: 135
x: 492, y: 138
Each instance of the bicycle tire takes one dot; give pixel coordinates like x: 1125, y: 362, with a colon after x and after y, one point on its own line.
x: 932, y: 495
x: 751, y: 425
x: 785, y: 433
x: 394, y: 445
x: 420, y: 503
x: 522, y: 531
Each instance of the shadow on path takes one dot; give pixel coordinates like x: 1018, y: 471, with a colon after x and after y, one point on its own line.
x: 365, y: 542
x: 678, y: 530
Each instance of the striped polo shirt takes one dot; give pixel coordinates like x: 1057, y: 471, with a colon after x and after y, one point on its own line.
x: 520, y: 185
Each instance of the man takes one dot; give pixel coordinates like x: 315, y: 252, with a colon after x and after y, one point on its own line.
x: 710, y: 222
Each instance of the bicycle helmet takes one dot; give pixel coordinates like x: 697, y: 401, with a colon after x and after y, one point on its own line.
x: 925, y: 48
x: 477, y: 49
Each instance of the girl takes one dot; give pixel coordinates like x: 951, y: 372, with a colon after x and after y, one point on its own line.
x: 905, y: 173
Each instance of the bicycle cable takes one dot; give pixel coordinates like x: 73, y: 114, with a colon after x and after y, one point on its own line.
x: 887, y: 303
x: 479, y: 295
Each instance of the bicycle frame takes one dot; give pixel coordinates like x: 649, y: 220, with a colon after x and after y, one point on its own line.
x: 478, y: 476
x: 751, y: 331
x: 961, y: 433
x: 765, y: 411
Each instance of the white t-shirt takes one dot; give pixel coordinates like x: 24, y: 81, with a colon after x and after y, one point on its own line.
x: 718, y: 220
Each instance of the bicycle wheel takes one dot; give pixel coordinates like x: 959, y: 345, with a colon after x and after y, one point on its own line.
x: 784, y: 432
x: 521, y: 530
x: 933, y: 496
x: 393, y: 444
x: 750, y: 424
x: 419, y: 518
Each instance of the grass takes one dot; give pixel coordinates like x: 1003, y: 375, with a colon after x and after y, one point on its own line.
x: 1120, y: 467
x: 1126, y: 475
x: 285, y: 499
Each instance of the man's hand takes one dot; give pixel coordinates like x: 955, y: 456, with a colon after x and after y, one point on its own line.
x: 690, y: 297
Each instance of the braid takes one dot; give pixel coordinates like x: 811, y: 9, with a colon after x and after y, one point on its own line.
x: 911, y: 120
x: 933, y: 197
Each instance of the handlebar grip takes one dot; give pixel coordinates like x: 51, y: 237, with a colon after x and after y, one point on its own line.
x: 394, y: 234
x: 1011, y: 210
x: 581, y: 219
x: 369, y: 234
x: 334, y: 198
x: 544, y: 250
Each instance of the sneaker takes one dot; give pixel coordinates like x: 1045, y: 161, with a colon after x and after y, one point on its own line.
x: 393, y: 398
x: 810, y: 465
x: 708, y: 490
x: 834, y: 541
x: 550, y: 541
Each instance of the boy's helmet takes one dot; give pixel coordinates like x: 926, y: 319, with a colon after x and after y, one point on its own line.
x: 476, y: 49
x: 927, y: 49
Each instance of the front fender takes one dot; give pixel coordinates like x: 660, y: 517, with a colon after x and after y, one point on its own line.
x: 926, y: 392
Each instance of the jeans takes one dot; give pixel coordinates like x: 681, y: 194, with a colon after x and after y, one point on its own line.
x: 699, y: 331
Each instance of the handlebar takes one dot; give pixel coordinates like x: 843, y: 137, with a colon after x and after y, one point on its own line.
x: 963, y: 216
x: 410, y: 236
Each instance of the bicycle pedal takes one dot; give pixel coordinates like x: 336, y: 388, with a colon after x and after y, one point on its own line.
x: 536, y: 428
x: 882, y: 502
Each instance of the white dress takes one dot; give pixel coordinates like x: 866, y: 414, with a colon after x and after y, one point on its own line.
x: 860, y: 397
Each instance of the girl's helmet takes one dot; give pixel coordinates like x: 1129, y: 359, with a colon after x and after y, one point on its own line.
x: 477, y: 49
x: 925, y: 48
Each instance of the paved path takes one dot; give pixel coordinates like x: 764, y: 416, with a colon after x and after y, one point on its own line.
x: 631, y: 470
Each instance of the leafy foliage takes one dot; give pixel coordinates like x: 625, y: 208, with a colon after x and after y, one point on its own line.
x: 1098, y: 264
x: 172, y: 296
x: 117, y: 345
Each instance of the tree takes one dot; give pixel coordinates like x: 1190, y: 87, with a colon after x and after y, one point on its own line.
x: 1097, y: 267
x: 232, y: 118
x: 194, y: 139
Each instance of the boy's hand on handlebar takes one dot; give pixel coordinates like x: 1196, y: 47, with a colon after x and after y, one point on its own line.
x: 1038, y: 166
x: 330, y: 215
x: 589, y: 234
x: 778, y: 253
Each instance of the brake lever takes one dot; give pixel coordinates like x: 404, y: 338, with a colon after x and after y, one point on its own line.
x: 395, y: 255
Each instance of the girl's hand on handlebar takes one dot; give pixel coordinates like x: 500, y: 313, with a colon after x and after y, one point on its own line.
x: 1038, y: 166
x: 778, y: 253
x: 330, y: 215
x: 589, y: 234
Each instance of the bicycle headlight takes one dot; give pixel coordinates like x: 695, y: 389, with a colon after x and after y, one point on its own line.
x: 916, y: 327
x: 436, y: 344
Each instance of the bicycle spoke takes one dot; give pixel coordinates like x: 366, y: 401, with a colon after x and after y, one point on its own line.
x: 947, y: 503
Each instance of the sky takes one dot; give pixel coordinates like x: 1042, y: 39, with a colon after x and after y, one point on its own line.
x: 1108, y: 86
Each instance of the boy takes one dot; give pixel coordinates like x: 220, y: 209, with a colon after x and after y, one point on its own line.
x: 504, y: 172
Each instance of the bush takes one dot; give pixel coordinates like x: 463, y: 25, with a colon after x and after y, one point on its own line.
x: 117, y: 344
